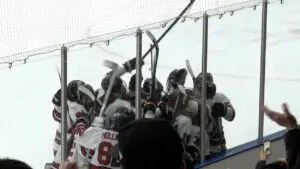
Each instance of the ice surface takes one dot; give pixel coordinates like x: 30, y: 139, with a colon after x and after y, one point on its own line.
x: 27, y: 127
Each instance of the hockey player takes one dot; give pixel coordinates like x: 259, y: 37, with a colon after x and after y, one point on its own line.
x: 118, y: 89
x: 98, y: 146
x: 152, y: 98
x: 79, y: 99
x: 185, y: 107
x: 221, y: 108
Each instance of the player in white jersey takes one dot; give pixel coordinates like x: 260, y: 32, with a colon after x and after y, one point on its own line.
x: 185, y: 107
x: 98, y: 148
x: 80, y: 98
x: 221, y: 108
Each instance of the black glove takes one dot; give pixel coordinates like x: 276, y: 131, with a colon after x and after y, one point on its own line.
x: 219, y: 110
x: 56, y: 98
x: 131, y: 65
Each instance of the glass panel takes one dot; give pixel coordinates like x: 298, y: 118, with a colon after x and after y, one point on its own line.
x: 282, y: 81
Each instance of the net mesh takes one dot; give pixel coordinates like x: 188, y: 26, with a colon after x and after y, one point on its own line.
x: 32, y: 27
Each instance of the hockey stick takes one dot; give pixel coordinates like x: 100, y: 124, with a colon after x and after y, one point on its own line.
x: 118, y: 71
x: 154, y: 60
x: 58, y: 72
x: 132, y: 67
x: 189, y: 68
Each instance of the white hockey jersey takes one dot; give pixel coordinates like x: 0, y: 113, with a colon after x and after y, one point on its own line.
x: 96, y: 149
x: 77, y: 115
x: 217, y: 139
x: 75, y: 111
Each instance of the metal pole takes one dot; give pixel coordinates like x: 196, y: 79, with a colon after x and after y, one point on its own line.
x: 262, y: 70
x: 203, y: 83
x: 138, y: 74
x: 64, y: 108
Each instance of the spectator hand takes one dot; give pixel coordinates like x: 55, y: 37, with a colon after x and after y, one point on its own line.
x: 285, y: 119
x: 67, y: 165
x: 263, y: 155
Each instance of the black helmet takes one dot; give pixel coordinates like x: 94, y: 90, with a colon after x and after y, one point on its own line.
x: 117, y: 86
x: 72, y: 89
x: 121, y: 117
x: 210, y: 85
x: 177, y: 76
x: 147, y: 86
x: 209, y: 78
x: 86, y: 95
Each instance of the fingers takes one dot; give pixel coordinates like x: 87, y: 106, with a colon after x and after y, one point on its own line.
x: 285, y: 109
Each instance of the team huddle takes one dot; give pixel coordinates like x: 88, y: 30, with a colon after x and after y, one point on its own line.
x: 92, y: 136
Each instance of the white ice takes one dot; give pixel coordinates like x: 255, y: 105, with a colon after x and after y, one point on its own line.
x: 27, y: 127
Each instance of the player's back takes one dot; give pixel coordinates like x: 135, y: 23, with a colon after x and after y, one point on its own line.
x: 96, y: 149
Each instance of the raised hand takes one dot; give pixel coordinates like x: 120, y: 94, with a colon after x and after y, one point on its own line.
x: 285, y: 119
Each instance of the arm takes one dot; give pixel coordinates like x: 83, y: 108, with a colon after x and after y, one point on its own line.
x: 260, y: 164
x: 292, y: 137
x: 79, y: 117
x: 230, y: 112
x: 262, y: 160
x: 56, y: 113
x: 223, y: 107
x: 292, y: 140
x: 77, y: 157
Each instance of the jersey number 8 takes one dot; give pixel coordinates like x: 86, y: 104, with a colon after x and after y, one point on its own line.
x: 104, y: 157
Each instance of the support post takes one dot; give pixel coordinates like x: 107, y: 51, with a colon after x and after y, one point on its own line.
x: 64, y: 108
x: 203, y: 83
x: 262, y: 70
x: 138, y: 74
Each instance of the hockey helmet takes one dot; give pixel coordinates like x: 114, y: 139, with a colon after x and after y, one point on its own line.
x: 72, y: 89
x: 132, y: 83
x: 210, y: 85
x: 147, y: 86
x: 86, y: 95
x: 209, y: 78
x: 177, y: 76
x: 117, y: 84
x: 121, y: 117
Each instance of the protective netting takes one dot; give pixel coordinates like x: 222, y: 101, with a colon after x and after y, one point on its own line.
x: 32, y: 27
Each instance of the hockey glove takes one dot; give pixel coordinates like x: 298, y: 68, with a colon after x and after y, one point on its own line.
x: 79, y: 129
x: 131, y: 65
x: 219, y: 110
x: 56, y: 98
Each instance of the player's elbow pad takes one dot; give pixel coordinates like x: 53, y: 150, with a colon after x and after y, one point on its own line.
x: 230, y: 113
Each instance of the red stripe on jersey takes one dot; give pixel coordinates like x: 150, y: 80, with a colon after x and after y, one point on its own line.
x: 56, y: 115
x: 57, y: 141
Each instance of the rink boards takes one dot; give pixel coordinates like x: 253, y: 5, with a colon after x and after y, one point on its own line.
x: 246, y: 155
x: 243, y: 155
